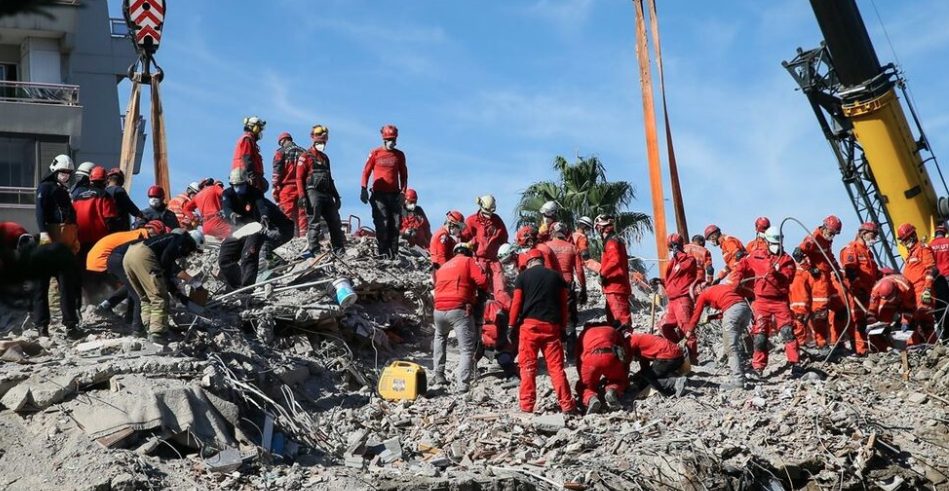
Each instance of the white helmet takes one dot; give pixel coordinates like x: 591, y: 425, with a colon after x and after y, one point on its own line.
x: 505, y: 251
x: 238, y: 176
x: 85, y: 168
x: 549, y: 209
x: 487, y: 203
x: 62, y: 163
x: 586, y: 222
x: 198, y: 237
x: 251, y: 121
x: 194, y: 186
x: 773, y: 235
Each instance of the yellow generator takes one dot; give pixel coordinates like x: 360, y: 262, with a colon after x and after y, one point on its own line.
x: 402, y: 381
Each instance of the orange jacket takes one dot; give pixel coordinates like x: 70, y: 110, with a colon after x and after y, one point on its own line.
x: 732, y: 251
x: 703, y: 259
x: 860, y: 268
x: 920, y: 267
x: 569, y: 261
x: 99, y: 254
x: 816, y: 247
x: 247, y: 155
x: 800, y: 293
x: 179, y: 206
x: 755, y: 244
x: 580, y: 240
x: 904, y: 304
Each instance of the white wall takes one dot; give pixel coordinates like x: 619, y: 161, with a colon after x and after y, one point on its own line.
x: 41, y: 61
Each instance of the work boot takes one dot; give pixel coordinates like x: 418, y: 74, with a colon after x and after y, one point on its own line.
x: 680, y: 386
x: 42, y: 331
x: 439, y: 380
x: 595, y: 406
x: 612, y: 399
x: 73, y: 331
x: 158, y: 338
x: 104, y: 308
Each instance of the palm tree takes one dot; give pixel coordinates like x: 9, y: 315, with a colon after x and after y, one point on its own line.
x: 583, y: 190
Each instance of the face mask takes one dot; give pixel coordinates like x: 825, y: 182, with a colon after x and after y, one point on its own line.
x: 320, y: 146
x: 63, y: 177
x: 154, y: 202
x: 410, y: 206
x: 774, y: 248
x: 388, y: 144
x: 240, y: 189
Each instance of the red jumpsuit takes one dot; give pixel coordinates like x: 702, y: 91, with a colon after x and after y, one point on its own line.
x: 178, y: 205
x: 681, y: 274
x: 494, y: 333
x: 247, y: 157
x: 614, y: 277
x: 598, y: 359
x: 773, y: 274
x: 580, y: 240
x: 208, y: 204
x: 539, y: 311
x: 441, y: 247
x: 550, y: 260
x: 861, y: 272
x: 568, y: 260
x: 800, y: 299
x: 756, y: 244
x: 920, y: 270
x: 286, y: 192
x: 96, y: 216
x: 415, y: 227
x: 902, y: 308
x: 488, y: 233
x: 732, y: 251
x: 824, y: 297
x: 940, y: 248
x: 703, y: 260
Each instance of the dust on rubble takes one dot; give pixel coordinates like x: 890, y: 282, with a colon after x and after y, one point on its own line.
x: 273, y: 388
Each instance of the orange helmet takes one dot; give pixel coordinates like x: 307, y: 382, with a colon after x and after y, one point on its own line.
x: 833, y: 224
x: 886, y: 289
x: 533, y: 254
x: 762, y: 224
x: 869, y: 227
x: 712, y: 230
x: 98, y: 174
x: 455, y: 217
x: 906, y: 231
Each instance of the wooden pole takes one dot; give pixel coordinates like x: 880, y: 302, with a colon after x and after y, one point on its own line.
x: 130, y: 134
x: 159, y: 145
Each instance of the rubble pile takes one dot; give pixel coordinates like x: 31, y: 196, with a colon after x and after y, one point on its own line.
x: 274, y: 388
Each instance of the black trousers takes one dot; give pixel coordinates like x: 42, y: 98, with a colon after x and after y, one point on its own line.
x: 323, y: 206
x: 660, y: 374
x: 133, y: 315
x: 238, y: 260
x: 54, y: 261
x: 386, y: 215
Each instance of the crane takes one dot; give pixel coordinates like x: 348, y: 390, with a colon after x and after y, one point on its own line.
x: 857, y: 101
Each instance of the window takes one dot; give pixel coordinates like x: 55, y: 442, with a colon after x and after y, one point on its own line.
x: 23, y: 162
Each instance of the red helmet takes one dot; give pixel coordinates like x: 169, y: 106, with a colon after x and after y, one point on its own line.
x: 320, y: 133
x: 712, y: 230
x: 906, y: 231
x: 762, y: 224
x: 389, y: 132
x: 526, y: 235
x: 156, y: 226
x: 833, y: 224
x: 116, y: 172
x: 156, y: 192
x: 941, y: 230
x: 455, y: 217
x: 869, y: 227
x: 97, y: 174
x: 886, y: 289
x: 675, y: 240
x: 411, y: 195
x: 533, y: 254
x: 283, y: 136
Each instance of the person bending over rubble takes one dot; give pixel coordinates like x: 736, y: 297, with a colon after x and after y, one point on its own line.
x: 539, y: 312
x: 415, y: 228
x: 892, y: 300
x: 496, y: 335
x: 456, y: 285
x: 600, y: 362
x: 662, y: 364
x: 571, y: 268
x: 736, y: 315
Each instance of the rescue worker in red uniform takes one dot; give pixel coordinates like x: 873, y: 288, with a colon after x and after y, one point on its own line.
x: 703, y: 258
x: 799, y: 297
x: 892, y: 301
x: 920, y: 270
x: 732, y: 248
x: 487, y: 232
x: 390, y: 179
x: 580, y: 237
x: 548, y: 216
x: 681, y: 275
x: 571, y: 268
x: 496, y: 337
x: 940, y: 247
x: 96, y: 213
x: 440, y: 248
x: 415, y: 228
x: 286, y: 193
x: 824, y: 298
x: 178, y: 205
x: 207, y: 203
x: 860, y: 274
x: 527, y: 241
x: 736, y: 315
x: 601, y: 366
x: 247, y: 153
x: 761, y: 224
x: 539, y: 312
x: 115, y: 180
x: 315, y: 184
x: 662, y: 364
x: 773, y: 271
x: 614, y: 273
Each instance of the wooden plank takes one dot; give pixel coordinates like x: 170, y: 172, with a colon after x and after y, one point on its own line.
x: 130, y: 134
x: 159, y: 145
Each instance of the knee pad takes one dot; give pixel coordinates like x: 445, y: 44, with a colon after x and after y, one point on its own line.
x: 761, y: 342
x: 787, y: 334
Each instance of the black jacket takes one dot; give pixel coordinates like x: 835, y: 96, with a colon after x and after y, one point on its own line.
x: 53, y: 204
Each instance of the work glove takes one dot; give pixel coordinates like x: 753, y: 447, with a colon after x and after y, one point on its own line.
x: 364, y: 196
x: 582, y: 297
x: 798, y: 254
x: 45, y: 239
x: 926, y: 297
x: 815, y: 272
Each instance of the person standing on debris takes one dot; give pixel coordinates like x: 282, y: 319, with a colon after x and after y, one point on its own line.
x: 96, y: 213
x: 580, y: 239
x: 314, y: 181
x: 390, y: 179
x: 773, y: 271
x: 81, y: 179
x: 241, y: 204
x: 681, y: 275
x: 56, y: 221
x: 732, y: 248
x: 539, y: 312
x: 761, y: 224
x: 799, y: 297
x: 824, y: 270
x: 207, y: 204
x: 487, y: 232
x: 703, y: 258
x: 614, y: 272
x: 151, y: 267
x: 247, y: 153
x: 443, y: 242
x: 860, y: 274
x: 662, y: 364
x: 415, y: 227
x: 736, y: 315
x: 124, y: 205
x: 456, y: 284
x: 157, y: 210
x: 548, y: 216
x: 940, y: 247
x: 600, y: 363
x: 571, y: 268
x: 178, y: 206
x: 920, y: 270
x: 286, y: 192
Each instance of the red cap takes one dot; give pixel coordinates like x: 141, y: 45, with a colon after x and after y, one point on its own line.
x: 156, y: 192
x: 533, y: 254
x: 389, y: 132
x: 869, y: 227
x: 97, y: 174
x: 525, y: 234
x: 411, y: 195
x: 283, y: 136
x: 712, y: 229
x: 455, y: 216
x: 762, y: 224
x: 833, y: 224
x: 906, y: 231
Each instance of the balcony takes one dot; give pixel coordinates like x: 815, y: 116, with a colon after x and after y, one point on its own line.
x: 38, y: 93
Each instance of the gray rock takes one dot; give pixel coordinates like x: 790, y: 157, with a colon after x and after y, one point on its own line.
x: 549, y: 423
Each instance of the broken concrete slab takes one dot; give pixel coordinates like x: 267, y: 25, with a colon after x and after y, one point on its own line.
x: 549, y: 423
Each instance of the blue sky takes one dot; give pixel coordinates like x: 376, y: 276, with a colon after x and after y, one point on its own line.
x: 485, y: 94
